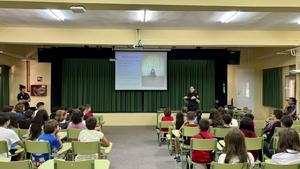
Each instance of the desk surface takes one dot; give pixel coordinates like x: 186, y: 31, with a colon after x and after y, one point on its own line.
x: 107, y: 150
x: 65, y: 148
x: 176, y: 133
x: 99, y: 164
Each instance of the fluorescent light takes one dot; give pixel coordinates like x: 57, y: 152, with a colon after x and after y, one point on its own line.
x: 56, y: 14
x: 144, y: 15
x: 229, y: 16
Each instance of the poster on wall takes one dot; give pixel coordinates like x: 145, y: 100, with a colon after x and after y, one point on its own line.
x: 38, y: 90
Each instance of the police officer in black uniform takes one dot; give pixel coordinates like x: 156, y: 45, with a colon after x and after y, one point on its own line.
x: 23, y: 97
x: 192, y: 99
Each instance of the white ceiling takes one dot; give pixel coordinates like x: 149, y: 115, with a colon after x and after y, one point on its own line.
x: 160, y: 20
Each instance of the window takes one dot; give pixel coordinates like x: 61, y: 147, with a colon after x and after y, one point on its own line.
x: 290, y: 86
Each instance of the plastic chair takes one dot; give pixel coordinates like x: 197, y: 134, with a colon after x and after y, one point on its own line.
x: 188, y: 132
x: 100, y: 120
x: 16, y: 165
x: 297, y: 128
x: 278, y: 166
x: 87, y: 164
x: 201, y: 145
x: 260, y: 123
x: 259, y: 131
x: 255, y: 144
x: 216, y: 165
x: 72, y: 134
x: 220, y: 133
x: 170, y: 140
x: 4, y: 148
x: 162, y: 134
x: 37, y: 147
x: 85, y: 148
x: 23, y: 132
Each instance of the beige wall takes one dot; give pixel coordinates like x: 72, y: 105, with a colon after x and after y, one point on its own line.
x: 18, y: 76
x: 258, y: 59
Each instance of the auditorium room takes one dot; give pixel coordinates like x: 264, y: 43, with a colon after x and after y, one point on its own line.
x: 149, y: 84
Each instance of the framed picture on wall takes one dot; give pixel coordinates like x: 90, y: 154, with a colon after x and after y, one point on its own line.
x: 38, y: 90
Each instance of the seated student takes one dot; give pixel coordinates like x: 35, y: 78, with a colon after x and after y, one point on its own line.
x: 286, y: 121
x: 202, y: 156
x: 167, y: 117
x: 247, y: 127
x: 272, y: 123
x: 13, y: 120
x: 7, y: 134
x: 216, y: 120
x: 39, y: 106
x: 60, y: 117
x: 53, y: 112
x: 19, y: 109
x: 189, y: 123
x: 37, y: 124
x: 290, y: 109
x: 87, y: 112
x: 288, y: 150
x: 179, y: 120
x: 76, y: 120
x: 227, y: 120
x: 51, y: 131
x: 91, y: 134
x: 234, y: 122
x: 25, y: 122
x: 251, y: 116
x: 235, y: 149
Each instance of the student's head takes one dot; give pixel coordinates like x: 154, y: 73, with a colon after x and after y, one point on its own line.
x: 227, y: 119
x: 277, y: 114
x: 51, y: 126
x: 286, y: 121
x: 247, y: 124
x: 235, y: 146
x: 76, y: 117
x: 7, y: 109
x: 91, y: 123
x: 167, y: 112
x: 184, y: 109
x: 292, y: 101
x: 192, y: 89
x: 40, y: 105
x: 288, y: 139
x: 13, y: 120
x: 179, y: 119
x: 204, y: 125
x: 28, y: 113
x: 221, y: 110
x: 22, y: 88
x: 60, y: 115
x: 212, y: 113
x: 4, y: 119
x: 87, y: 108
x: 41, y: 116
x: 190, y: 115
x: 19, y: 107
x: 249, y: 115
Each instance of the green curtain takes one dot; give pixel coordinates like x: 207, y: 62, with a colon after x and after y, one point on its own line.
x: 93, y: 81
x: 272, y: 87
x: 4, y: 86
x: 182, y: 74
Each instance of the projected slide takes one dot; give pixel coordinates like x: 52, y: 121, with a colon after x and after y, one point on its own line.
x: 141, y: 71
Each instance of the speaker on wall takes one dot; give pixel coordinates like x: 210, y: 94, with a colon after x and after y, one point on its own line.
x: 234, y: 57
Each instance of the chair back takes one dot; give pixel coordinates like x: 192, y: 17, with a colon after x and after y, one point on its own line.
x: 3, y: 148
x: 73, y: 134
x: 165, y: 124
x: 221, y: 132
x: 85, y: 148
x: 17, y: 131
x: 260, y: 123
x: 26, y: 164
x: 254, y: 143
x: 203, y: 144
x: 190, y: 131
x: 23, y: 132
x: 278, y: 166
x: 87, y: 164
x: 216, y: 165
x: 274, y: 142
x: 297, y: 128
x: 37, y: 147
x: 259, y: 131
